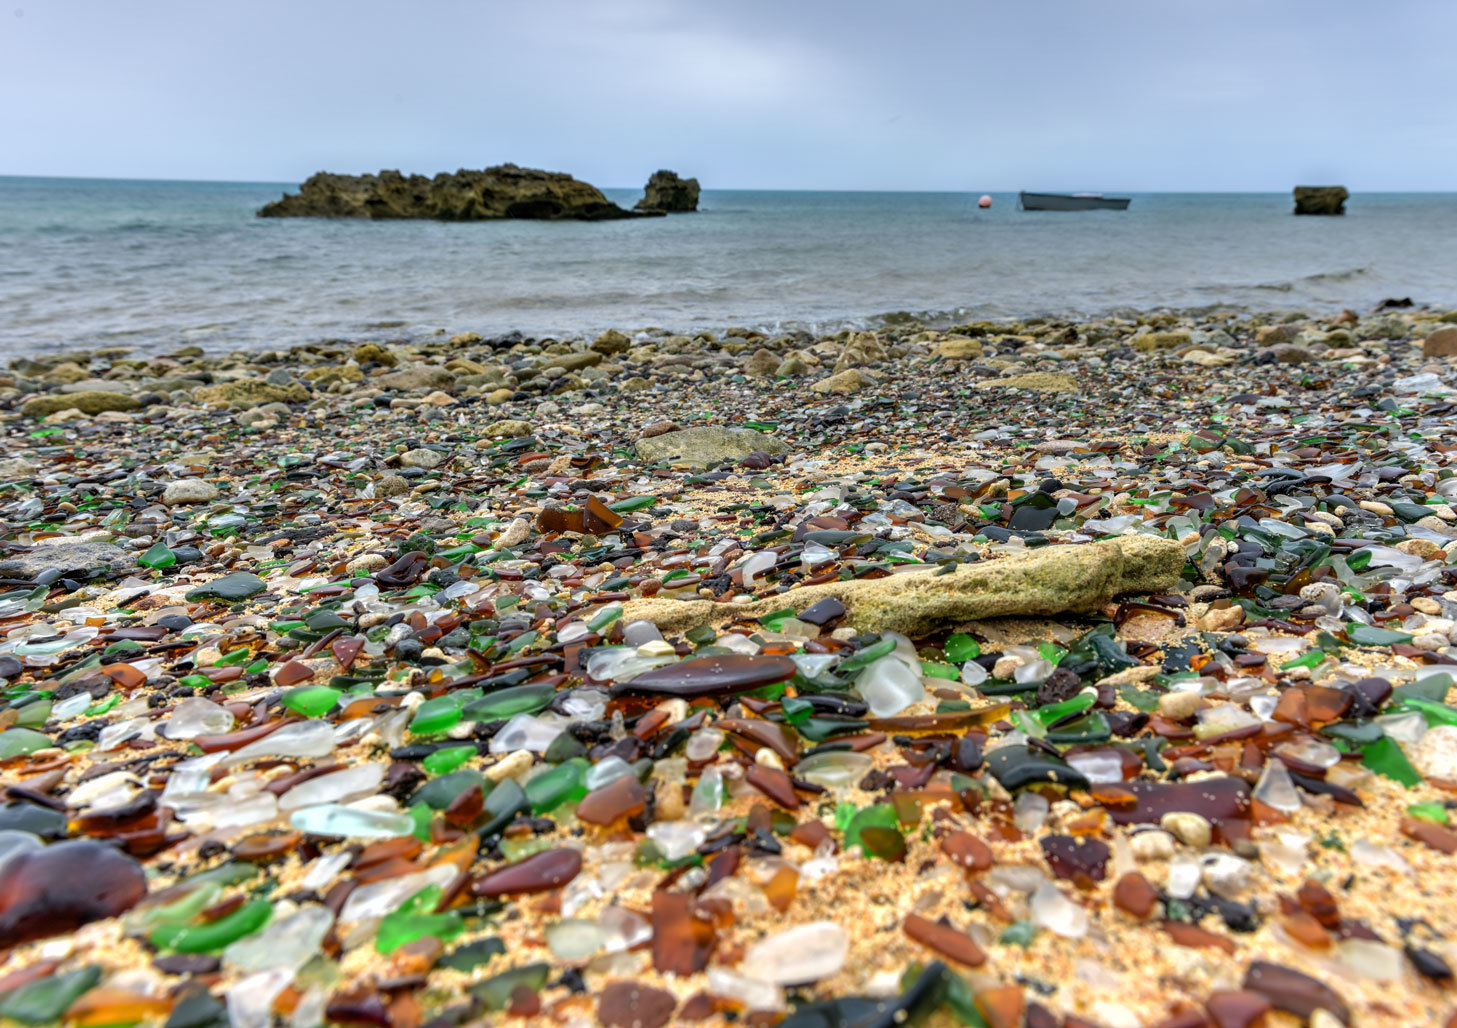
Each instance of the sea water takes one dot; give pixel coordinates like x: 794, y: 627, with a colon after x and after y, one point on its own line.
x: 159, y: 265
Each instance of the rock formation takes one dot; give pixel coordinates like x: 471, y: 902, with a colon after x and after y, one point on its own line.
x: 667, y: 192
x: 505, y: 191
x: 1320, y: 199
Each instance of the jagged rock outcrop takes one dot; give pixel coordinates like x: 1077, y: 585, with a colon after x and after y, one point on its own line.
x: 505, y: 191
x: 667, y: 192
x: 1320, y: 199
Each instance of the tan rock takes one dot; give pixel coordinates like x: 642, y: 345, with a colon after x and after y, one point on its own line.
x: 86, y: 403
x: 1441, y: 343
x: 847, y: 381
x: 1038, y: 381
x: 959, y: 349
x: 1048, y: 580
x: 611, y: 341
x: 1150, y: 341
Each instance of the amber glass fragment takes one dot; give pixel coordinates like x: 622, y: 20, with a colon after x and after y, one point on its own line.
x: 1307, y: 931
x: 945, y: 940
x: 109, y: 1006
x: 1197, y: 938
x: 1316, y: 900
x: 1002, y: 1005
x: 682, y: 941
x: 780, y: 889
x: 1133, y: 894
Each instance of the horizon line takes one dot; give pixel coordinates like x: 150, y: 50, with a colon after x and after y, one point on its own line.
x: 729, y: 189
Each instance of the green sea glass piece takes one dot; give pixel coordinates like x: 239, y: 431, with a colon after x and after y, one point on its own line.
x: 215, y: 935
x: 415, y: 919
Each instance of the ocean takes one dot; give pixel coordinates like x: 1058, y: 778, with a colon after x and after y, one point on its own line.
x: 158, y: 265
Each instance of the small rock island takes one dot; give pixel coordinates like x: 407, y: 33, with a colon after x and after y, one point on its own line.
x: 667, y: 192
x: 504, y: 191
x: 1321, y: 199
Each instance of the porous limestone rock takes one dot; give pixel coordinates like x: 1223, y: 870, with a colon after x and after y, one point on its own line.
x: 1045, y: 581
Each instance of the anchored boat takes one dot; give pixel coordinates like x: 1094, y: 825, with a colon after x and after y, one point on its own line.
x: 1072, y: 202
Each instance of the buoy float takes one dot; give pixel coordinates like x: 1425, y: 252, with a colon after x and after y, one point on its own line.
x: 984, y: 202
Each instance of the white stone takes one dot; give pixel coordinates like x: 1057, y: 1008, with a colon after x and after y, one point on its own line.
x: 189, y: 490
x: 1435, y: 756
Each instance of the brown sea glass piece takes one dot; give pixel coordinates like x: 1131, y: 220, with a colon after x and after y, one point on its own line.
x: 1316, y: 900
x: 1078, y: 859
x: 1307, y: 931
x: 968, y: 851
x: 743, y: 732
x: 466, y: 807
x: 682, y: 941
x: 773, y: 783
x: 550, y: 869
x: 346, y: 651
x: 124, y: 675
x: 1233, y: 1009
x: 263, y: 848
x: 634, y: 1005
x: 1293, y: 991
x: 292, y: 673
x: 1002, y: 1005
x: 1133, y: 894
x: 1215, y: 798
x: 405, y: 571
x: 619, y: 798
x: 947, y: 941
x: 236, y: 740
x: 64, y: 886
x: 1195, y: 937
x: 714, y: 676
x: 1434, y: 836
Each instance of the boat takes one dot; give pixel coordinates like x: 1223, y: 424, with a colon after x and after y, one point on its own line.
x: 1072, y: 202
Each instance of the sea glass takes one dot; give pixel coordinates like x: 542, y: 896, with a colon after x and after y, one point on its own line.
x: 719, y: 675
x: 59, y: 888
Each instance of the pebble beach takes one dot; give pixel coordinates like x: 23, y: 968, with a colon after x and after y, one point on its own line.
x: 1057, y: 673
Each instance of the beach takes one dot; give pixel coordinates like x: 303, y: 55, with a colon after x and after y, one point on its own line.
x: 1021, y: 670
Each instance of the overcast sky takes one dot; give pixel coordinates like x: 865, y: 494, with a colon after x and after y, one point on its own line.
x: 834, y: 94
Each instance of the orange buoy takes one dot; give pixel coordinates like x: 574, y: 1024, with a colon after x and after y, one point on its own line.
x: 984, y: 202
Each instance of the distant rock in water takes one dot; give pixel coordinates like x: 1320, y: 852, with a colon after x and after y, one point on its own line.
x: 667, y: 192
x: 504, y: 191
x: 1320, y: 199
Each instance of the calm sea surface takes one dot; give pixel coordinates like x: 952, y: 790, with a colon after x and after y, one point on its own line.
x: 91, y: 262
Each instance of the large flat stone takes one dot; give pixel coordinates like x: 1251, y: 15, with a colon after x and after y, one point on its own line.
x: 1045, y: 581
x: 708, y: 445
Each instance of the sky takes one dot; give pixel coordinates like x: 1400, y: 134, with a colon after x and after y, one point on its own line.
x: 959, y: 95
